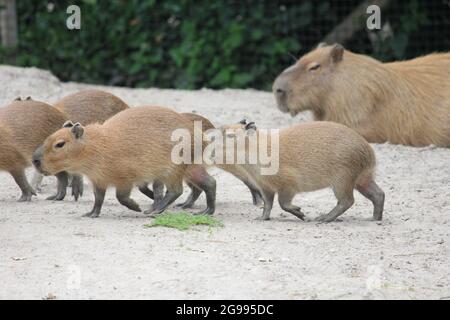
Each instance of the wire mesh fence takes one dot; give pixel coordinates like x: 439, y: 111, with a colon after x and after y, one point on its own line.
x: 192, y: 44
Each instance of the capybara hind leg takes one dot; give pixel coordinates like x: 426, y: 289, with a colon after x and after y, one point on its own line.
x: 207, y: 184
x: 158, y: 190
x: 124, y: 198
x: 21, y: 179
x: 145, y: 190
x: 345, y: 201
x: 256, y: 195
x: 99, y: 199
x: 36, y: 181
x: 268, y: 197
x: 63, y: 182
x: 193, y: 196
x: 285, y: 201
x: 373, y: 192
x: 172, y: 194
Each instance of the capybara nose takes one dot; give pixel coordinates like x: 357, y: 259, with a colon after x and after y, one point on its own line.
x: 280, y: 92
x: 280, y: 87
x: 37, y: 163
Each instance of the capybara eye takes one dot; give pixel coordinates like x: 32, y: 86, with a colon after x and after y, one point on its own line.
x: 59, y: 145
x: 314, y: 67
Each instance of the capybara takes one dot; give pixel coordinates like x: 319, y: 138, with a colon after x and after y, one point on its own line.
x: 132, y: 148
x: 195, y: 192
x: 405, y: 102
x: 85, y: 107
x: 24, y: 125
x: 313, y: 156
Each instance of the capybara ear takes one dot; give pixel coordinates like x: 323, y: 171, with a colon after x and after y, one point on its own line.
x: 321, y: 45
x: 28, y: 98
x: 250, y: 126
x: 18, y: 99
x: 68, y: 124
x: 337, y: 53
x: 77, y: 130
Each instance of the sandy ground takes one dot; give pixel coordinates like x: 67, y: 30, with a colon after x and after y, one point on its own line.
x: 48, y: 250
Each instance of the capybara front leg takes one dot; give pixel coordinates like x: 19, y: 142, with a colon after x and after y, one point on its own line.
x: 208, y: 184
x: 124, y: 198
x: 99, y: 199
x: 268, y: 197
x: 21, y: 180
x: 77, y: 186
x: 146, y: 190
x: 193, y: 196
x: 373, y: 192
x: 285, y: 201
x: 158, y: 190
x: 256, y: 195
x: 36, y: 181
x: 173, y: 192
x: 63, y: 182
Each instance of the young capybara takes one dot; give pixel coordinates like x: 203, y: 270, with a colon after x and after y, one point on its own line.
x: 405, y: 102
x: 24, y: 125
x: 132, y: 148
x: 85, y: 107
x: 313, y: 156
x: 195, y: 192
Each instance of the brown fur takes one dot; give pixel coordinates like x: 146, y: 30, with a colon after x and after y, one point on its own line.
x: 24, y: 125
x: 132, y: 148
x: 314, y: 156
x: 90, y: 106
x: 207, y: 125
x: 406, y: 102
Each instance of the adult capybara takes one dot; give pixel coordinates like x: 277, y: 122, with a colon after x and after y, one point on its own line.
x: 312, y: 156
x: 132, y: 148
x: 405, y: 102
x: 90, y: 106
x: 24, y: 125
x: 85, y: 107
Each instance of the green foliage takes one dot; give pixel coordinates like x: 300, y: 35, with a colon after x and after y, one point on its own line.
x: 192, y: 44
x: 183, y: 221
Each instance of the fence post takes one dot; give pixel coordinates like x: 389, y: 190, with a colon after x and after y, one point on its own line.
x: 8, y: 23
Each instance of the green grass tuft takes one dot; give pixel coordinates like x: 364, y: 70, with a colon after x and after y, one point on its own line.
x: 183, y: 221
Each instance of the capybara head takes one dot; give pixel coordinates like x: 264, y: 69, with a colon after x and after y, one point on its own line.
x: 234, y: 137
x: 303, y: 86
x: 62, y: 151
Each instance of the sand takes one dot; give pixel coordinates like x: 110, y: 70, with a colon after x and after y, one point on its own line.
x: 47, y: 250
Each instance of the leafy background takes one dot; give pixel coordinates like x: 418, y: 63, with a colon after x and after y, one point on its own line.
x: 192, y: 44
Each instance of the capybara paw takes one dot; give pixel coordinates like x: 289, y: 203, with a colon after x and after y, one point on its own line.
x: 57, y: 197
x: 262, y: 218
x: 325, y: 218
x: 25, y: 198
x: 377, y: 217
x: 207, y: 211
x: 184, y: 205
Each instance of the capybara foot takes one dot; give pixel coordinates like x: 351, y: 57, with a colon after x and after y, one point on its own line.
x: 57, y: 197
x: 207, y: 211
x: 92, y: 214
x: 184, y: 205
x: 262, y: 218
x: 26, y: 197
x: 326, y: 218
